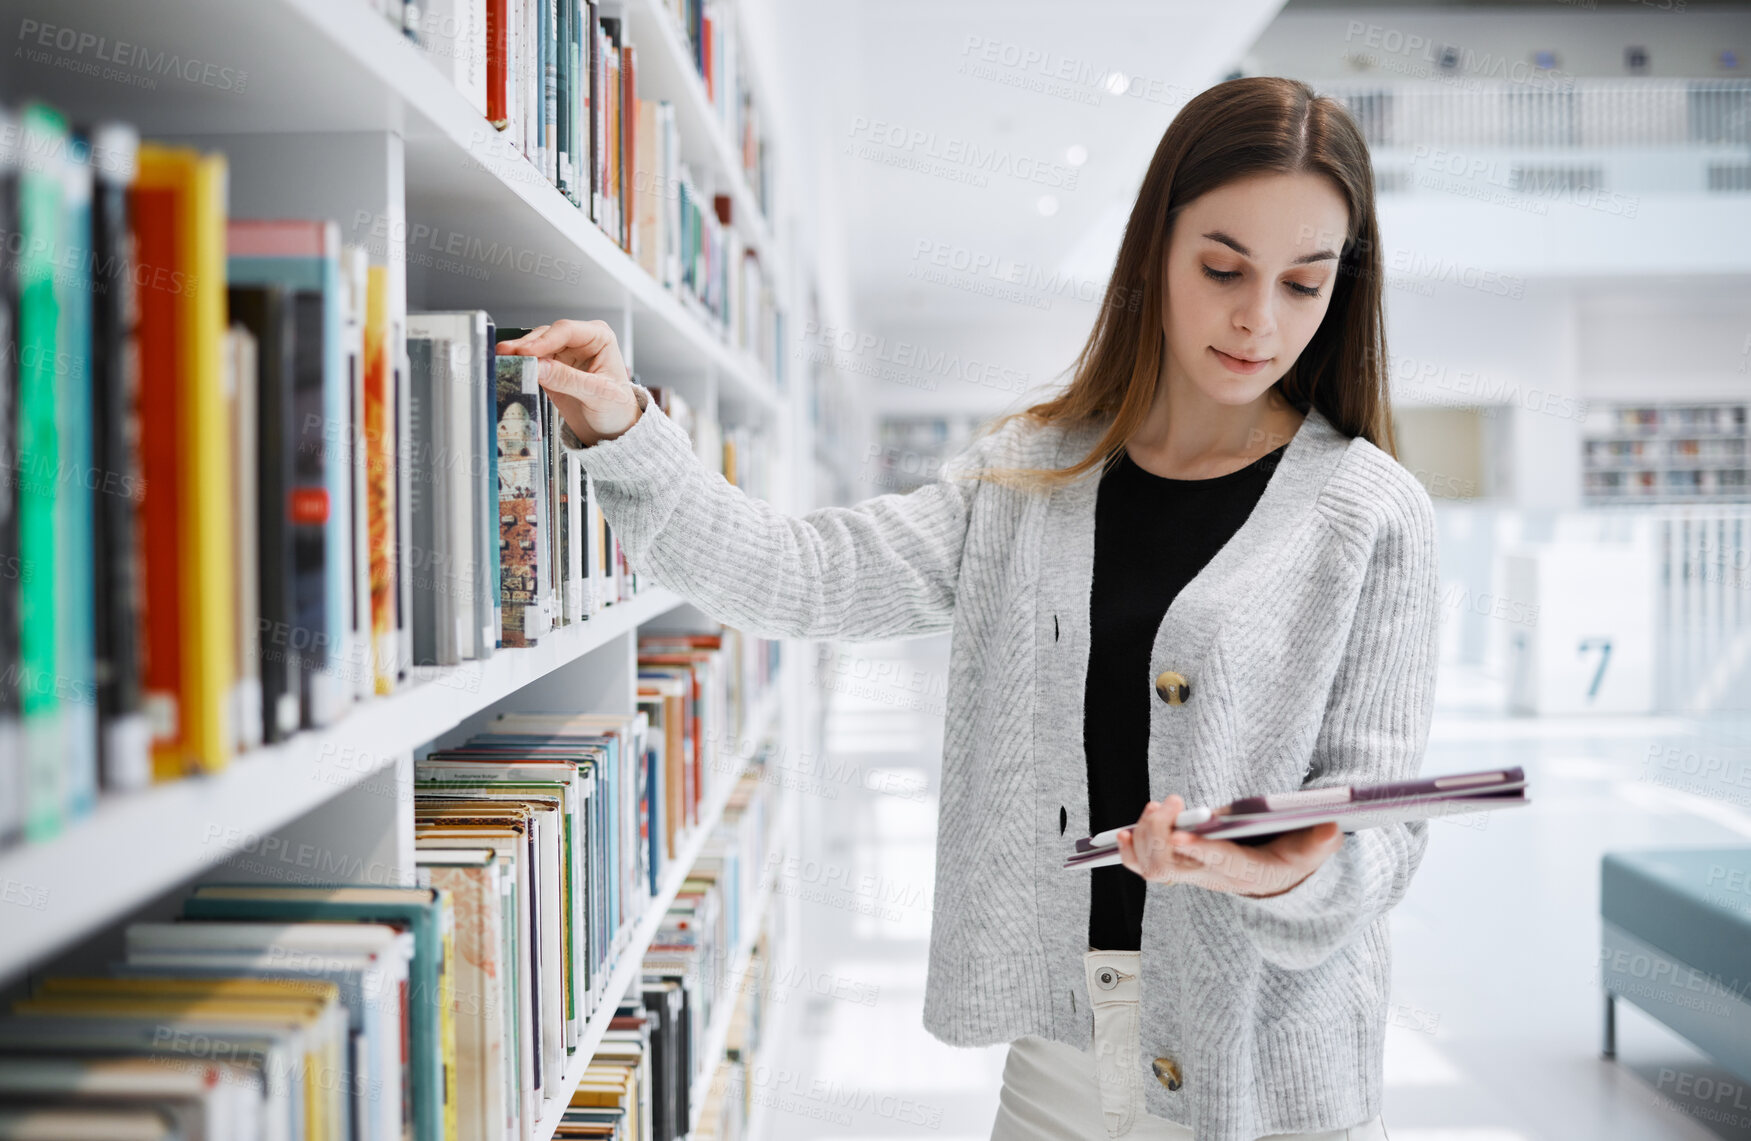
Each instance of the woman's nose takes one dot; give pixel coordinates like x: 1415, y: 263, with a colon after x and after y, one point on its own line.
x: 1256, y: 314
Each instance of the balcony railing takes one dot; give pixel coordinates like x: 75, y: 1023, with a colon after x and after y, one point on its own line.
x: 1568, y: 114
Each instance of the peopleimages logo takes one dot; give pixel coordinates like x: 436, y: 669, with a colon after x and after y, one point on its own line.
x: 867, y: 352
x: 38, y: 39
x: 959, y: 152
x: 1025, y: 283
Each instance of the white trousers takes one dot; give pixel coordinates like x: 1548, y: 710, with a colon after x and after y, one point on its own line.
x: 1054, y: 1092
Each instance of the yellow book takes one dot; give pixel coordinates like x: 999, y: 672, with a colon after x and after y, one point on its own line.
x: 207, y: 666
x: 380, y: 478
x: 324, y: 1102
x: 274, y: 998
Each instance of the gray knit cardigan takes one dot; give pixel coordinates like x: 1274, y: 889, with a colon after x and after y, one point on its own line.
x: 1309, y: 642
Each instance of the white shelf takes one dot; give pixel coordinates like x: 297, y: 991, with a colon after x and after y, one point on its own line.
x: 717, y: 1035
x: 135, y: 846
x: 338, y: 66
x: 630, y: 963
x: 663, y: 55
x: 317, y: 68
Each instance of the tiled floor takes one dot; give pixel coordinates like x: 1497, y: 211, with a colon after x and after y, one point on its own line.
x: 1496, y: 1019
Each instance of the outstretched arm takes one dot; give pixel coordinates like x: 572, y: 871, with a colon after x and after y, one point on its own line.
x: 886, y: 567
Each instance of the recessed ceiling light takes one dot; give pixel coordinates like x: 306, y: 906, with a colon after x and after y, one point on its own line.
x: 1117, y: 83
x: 1076, y: 154
x: 1047, y: 205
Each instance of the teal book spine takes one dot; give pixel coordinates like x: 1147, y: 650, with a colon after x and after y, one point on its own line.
x: 40, y: 208
x: 75, y: 508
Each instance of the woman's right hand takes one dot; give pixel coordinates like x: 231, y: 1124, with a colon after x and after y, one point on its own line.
x: 582, y: 370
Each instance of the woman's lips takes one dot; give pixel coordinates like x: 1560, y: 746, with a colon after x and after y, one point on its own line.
x: 1236, y: 364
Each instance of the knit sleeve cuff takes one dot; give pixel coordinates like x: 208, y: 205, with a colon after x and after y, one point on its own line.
x: 1309, y: 899
x: 655, y: 448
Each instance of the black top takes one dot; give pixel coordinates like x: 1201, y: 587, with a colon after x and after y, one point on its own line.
x: 1151, y: 537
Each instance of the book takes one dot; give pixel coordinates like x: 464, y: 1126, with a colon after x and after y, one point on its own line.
x: 269, y: 312
x: 472, y: 878
x: 368, y: 962
x: 469, y: 459
x: 498, y: 96
x: 434, y: 641
x: 12, y: 760
x: 303, y: 258
x: 1352, y: 807
x: 75, y: 511
x: 354, y: 274
x: 199, y: 1100
x: 508, y: 837
x: 37, y: 459
x: 381, y: 481
x: 526, y: 590
x: 423, y: 911
x: 453, y: 34
x: 178, y: 203
x: 242, y: 391
x: 460, y: 430
x: 396, y: 336
x: 308, y: 1009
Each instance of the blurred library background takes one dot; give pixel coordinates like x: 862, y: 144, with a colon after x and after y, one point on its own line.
x: 327, y: 687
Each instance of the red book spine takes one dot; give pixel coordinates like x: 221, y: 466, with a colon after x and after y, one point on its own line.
x: 156, y: 234
x: 705, y: 57
x: 496, y: 18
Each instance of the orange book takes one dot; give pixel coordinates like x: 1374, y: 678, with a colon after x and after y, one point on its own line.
x: 380, y: 478
x: 179, y: 207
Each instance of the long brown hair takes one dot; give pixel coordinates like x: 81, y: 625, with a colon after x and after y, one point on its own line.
x: 1243, y: 127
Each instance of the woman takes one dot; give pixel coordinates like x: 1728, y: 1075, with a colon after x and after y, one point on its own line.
x: 1193, y: 575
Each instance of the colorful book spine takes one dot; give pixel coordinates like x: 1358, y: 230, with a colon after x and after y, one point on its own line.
x: 12, y: 762
x: 267, y: 311
x: 303, y: 258
x: 125, y: 746
x: 497, y: 87
x: 207, y: 580
x: 380, y: 475
x: 74, y: 510
x: 523, y: 519
x: 41, y: 219
x: 179, y: 201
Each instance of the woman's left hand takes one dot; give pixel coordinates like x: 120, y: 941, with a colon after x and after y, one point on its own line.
x: 1156, y: 852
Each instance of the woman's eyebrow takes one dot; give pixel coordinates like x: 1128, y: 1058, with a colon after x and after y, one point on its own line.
x: 1233, y: 244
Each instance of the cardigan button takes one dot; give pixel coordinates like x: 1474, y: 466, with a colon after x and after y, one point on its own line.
x: 1172, y: 687
x: 1166, y: 1072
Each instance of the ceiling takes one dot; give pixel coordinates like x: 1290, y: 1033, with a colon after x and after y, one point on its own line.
x: 932, y: 129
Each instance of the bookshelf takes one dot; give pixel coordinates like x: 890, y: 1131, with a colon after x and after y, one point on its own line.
x: 629, y: 965
x: 1671, y: 452
x: 169, y: 826
x: 717, y: 1033
x: 343, y: 117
